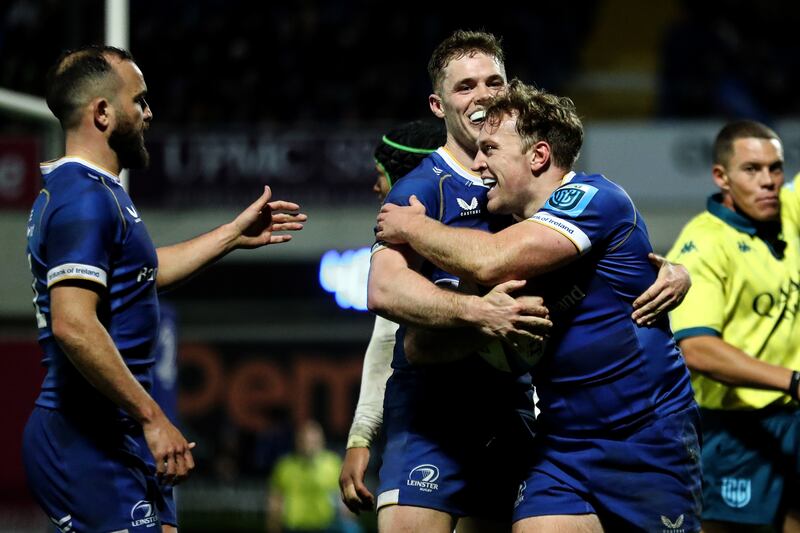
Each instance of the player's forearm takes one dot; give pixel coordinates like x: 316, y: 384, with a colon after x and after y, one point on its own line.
x: 408, y: 298
x: 377, y: 369
x: 727, y: 364
x: 468, y: 253
x: 178, y: 262
x: 89, y: 347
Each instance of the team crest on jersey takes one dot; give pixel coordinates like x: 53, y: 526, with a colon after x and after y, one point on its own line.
x: 142, y: 514
x: 736, y: 492
x: 424, y: 477
x: 571, y: 199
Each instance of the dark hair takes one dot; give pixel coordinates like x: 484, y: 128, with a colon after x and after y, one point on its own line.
x: 405, y: 146
x: 459, y: 44
x: 79, y: 75
x: 739, y: 129
x: 541, y: 116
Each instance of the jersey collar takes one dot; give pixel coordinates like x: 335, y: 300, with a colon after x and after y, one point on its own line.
x: 729, y: 216
x: 49, y: 166
x: 769, y: 232
x: 458, y: 168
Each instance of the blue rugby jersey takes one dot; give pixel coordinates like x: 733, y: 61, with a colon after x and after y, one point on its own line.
x: 456, y: 197
x: 601, y: 371
x: 84, y: 226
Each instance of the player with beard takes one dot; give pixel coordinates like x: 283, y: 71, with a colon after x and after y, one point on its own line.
x: 91, y: 441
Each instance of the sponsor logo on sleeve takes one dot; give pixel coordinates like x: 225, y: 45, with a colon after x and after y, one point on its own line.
x: 568, y: 229
x: 571, y: 199
x: 76, y: 271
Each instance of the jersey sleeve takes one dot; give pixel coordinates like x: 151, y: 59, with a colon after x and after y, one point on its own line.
x: 587, y: 215
x: 790, y: 200
x: 702, y: 310
x: 377, y: 368
x: 425, y: 188
x: 80, y: 237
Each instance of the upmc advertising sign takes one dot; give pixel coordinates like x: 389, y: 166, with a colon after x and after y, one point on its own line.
x: 226, y: 167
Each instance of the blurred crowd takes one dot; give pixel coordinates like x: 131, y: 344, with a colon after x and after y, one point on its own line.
x: 343, y: 62
x: 347, y: 62
x: 731, y: 58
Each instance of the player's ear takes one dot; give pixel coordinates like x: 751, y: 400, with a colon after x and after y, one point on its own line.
x: 720, y: 177
x: 435, y: 101
x: 102, y: 113
x: 539, y: 155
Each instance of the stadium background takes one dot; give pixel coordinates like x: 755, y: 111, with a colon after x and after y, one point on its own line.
x: 295, y: 95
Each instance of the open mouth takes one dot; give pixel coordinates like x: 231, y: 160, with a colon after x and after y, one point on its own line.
x: 478, y: 116
x: 489, y: 181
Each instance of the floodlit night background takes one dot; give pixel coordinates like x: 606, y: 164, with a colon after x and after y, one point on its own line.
x: 295, y: 95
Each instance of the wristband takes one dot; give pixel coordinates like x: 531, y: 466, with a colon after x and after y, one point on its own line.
x: 357, y: 441
x: 793, y: 385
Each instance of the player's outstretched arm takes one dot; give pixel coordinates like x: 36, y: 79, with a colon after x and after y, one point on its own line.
x: 81, y: 335
x: 256, y: 226
x: 665, y: 294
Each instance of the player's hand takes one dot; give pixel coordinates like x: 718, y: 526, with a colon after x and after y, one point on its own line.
x: 394, y: 221
x: 665, y: 294
x: 355, y: 494
x: 171, y: 452
x: 506, y: 317
x: 256, y: 225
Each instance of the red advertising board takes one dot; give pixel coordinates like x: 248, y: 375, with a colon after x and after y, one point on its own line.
x: 19, y: 171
